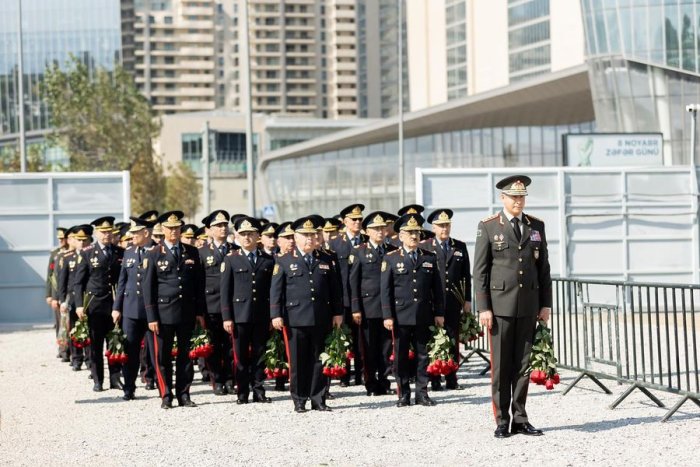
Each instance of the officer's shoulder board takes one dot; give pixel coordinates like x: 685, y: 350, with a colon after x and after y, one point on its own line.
x: 88, y: 248
x: 490, y: 218
x: 393, y: 252
x: 530, y: 216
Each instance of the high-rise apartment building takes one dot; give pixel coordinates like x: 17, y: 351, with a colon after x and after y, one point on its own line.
x: 175, y: 49
x: 302, y: 56
x: 97, y: 32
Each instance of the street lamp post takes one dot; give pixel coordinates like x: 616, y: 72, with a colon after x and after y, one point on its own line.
x: 693, y: 110
x: 20, y: 91
x: 402, y: 163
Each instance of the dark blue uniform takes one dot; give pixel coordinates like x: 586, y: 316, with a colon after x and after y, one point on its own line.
x: 129, y: 302
x: 411, y: 294
x: 65, y: 284
x: 245, y: 300
x: 219, y: 362
x: 365, y: 278
x: 96, y: 280
x: 171, y: 294
x: 307, y: 297
x: 453, y: 264
x: 343, y: 247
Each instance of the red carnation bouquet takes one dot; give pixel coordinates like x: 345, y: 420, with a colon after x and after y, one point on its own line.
x: 174, y: 350
x: 335, y: 356
x: 200, y: 343
x: 543, y: 363
x: 80, y: 334
x: 116, y: 346
x: 440, y: 353
x: 275, y: 357
x: 411, y: 353
x: 469, y: 328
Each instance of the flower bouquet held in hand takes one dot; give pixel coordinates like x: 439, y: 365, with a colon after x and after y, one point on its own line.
x: 411, y: 353
x: 440, y: 353
x: 174, y: 350
x: 274, y: 357
x: 543, y: 363
x: 334, y: 358
x: 469, y: 328
x: 116, y: 346
x: 200, y: 343
x: 80, y: 334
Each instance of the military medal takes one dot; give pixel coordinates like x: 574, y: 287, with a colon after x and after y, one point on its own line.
x: 537, y: 254
x: 210, y: 260
x: 400, y: 267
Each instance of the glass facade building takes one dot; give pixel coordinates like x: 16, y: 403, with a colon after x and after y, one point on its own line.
x: 98, y: 32
x: 456, y: 29
x: 529, y: 45
x: 643, y: 66
x: 327, y: 182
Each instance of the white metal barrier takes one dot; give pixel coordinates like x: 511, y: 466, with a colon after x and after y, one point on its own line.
x: 32, y: 205
x: 631, y: 224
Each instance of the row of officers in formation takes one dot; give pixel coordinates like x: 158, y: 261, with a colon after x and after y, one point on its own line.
x: 384, y: 275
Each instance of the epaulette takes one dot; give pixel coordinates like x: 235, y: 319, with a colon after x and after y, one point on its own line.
x: 530, y: 216
x: 426, y: 252
x: 88, y: 248
x: 490, y: 218
x: 392, y: 252
x: 150, y: 247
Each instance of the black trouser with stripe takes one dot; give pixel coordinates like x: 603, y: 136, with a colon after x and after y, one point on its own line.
x: 162, y: 360
x: 403, y: 337
x: 306, y: 379
x: 77, y: 355
x: 135, y: 330
x: 250, y: 340
x: 375, y: 348
x: 219, y: 363
x: 511, y: 342
x: 100, y: 324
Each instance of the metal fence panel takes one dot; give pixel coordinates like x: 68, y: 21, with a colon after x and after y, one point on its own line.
x: 31, y: 207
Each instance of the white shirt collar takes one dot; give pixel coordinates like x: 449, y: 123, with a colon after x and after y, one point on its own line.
x: 510, y: 216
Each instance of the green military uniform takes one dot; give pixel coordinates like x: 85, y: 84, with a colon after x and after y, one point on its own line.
x: 512, y: 279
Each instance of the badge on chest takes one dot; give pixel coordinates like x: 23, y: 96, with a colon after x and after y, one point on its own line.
x: 95, y: 261
x: 210, y: 260
x: 163, y: 264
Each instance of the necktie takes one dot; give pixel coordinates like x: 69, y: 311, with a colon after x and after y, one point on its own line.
x: 355, y: 241
x: 307, y: 258
x: 222, y: 250
x: 176, y: 252
x: 251, y: 258
x: 108, y: 253
x: 445, y: 247
x: 139, y: 252
x: 413, y: 257
x: 516, y: 228
x: 380, y: 251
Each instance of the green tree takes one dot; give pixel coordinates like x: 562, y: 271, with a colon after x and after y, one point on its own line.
x: 103, y: 123
x: 10, y: 159
x: 183, y: 190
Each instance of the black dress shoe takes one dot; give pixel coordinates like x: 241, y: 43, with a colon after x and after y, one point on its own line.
x: 185, y: 401
x: 425, y: 401
x: 115, y: 383
x: 403, y: 402
x: 454, y: 387
x: 261, y: 398
x: 501, y: 431
x: 241, y: 401
x: 299, y: 408
x: 230, y: 387
x: 97, y: 387
x: 128, y: 396
x: 525, y: 429
x: 436, y: 387
x: 150, y: 385
x: 65, y: 359
x: 344, y: 384
x: 166, y: 404
x: 76, y: 367
x: 321, y: 407
x: 220, y: 390
x: 329, y: 396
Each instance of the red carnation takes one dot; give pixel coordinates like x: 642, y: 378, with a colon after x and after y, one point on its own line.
x: 555, y: 378
x: 549, y: 384
x: 411, y: 355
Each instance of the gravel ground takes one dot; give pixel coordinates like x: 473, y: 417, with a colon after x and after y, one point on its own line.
x: 49, y: 415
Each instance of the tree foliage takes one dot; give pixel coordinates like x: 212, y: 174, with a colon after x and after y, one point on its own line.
x: 103, y: 123
x: 182, y: 190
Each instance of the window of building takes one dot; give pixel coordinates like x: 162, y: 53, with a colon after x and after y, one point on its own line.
x: 168, y: 19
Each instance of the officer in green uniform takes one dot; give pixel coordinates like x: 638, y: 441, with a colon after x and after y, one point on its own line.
x: 513, y: 289
x: 51, y: 278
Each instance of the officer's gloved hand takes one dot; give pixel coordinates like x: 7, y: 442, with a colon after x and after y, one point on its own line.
x: 439, y: 321
x: 278, y: 323
x: 486, y: 318
x: 389, y: 324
